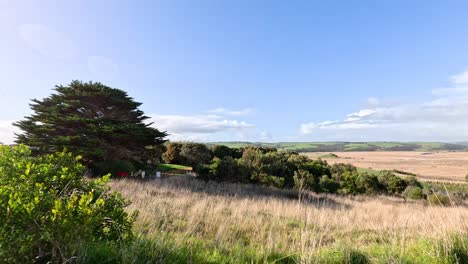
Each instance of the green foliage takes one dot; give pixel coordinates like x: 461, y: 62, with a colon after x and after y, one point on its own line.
x: 48, y: 209
x: 392, y: 183
x: 285, y: 169
x: 413, y: 181
x: 269, y: 180
x: 367, y: 183
x: 195, y: 153
x: 413, y: 192
x: 466, y: 177
x: 221, y: 151
x: 191, y: 154
x: 328, y: 185
x: 305, y: 180
x: 92, y: 120
x: 227, y: 169
x: 339, y: 169
x: 439, y: 199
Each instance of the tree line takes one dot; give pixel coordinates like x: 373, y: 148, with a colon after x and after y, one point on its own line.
x: 282, y: 169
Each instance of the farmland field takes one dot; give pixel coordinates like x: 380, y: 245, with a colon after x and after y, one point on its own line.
x: 452, y: 166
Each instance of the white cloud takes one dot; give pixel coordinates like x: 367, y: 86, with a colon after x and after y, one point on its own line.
x: 224, y: 111
x: 47, y: 42
x: 461, y: 78
x: 7, y: 132
x: 444, y: 118
x: 199, y: 127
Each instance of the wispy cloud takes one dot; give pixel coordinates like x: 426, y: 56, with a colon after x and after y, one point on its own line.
x: 203, y: 127
x: 224, y: 111
x: 444, y: 118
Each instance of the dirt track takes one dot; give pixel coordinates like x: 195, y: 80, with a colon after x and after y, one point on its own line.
x: 427, y: 165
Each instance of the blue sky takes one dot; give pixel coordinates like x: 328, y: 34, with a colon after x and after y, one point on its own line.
x: 251, y: 70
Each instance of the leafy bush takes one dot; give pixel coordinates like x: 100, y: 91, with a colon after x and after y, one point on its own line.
x: 413, y: 181
x: 466, y: 177
x: 225, y: 169
x: 439, y: 199
x: 337, y: 170
x: 391, y: 183
x: 328, y: 185
x: 48, y: 209
x: 305, y: 180
x: 413, y: 192
x: 367, y: 183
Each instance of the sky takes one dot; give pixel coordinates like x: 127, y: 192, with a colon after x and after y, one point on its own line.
x: 250, y: 70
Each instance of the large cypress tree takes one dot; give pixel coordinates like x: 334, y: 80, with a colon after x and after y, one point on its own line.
x: 89, y: 119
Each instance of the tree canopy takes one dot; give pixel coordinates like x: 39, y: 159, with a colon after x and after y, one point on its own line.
x: 89, y: 119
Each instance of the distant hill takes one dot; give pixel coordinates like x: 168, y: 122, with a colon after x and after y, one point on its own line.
x: 352, y: 146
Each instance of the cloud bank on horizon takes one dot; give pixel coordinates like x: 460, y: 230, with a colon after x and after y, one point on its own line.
x: 444, y: 118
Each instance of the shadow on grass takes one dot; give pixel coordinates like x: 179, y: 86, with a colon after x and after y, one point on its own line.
x: 241, y: 190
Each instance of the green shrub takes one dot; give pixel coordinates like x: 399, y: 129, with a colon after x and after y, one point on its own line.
x: 328, y: 184
x: 439, y: 199
x: 466, y: 177
x: 367, y: 183
x: 391, y: 183
x: 304, y: 180
x: 413, y: 192
x: 48, y: 210
x: 413, y: 181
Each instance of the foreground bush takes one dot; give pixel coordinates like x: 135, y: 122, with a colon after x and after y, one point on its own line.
x: 48, y: 210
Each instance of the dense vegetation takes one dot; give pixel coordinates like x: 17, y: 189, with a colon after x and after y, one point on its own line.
x: 48, y: 210
x: 282, y: 169
x: 351, y: 146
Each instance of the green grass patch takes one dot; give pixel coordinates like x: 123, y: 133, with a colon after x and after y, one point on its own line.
x: 171, y: 167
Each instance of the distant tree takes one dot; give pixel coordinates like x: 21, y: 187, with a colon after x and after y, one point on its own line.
x: 227, y: 169
x: 195, y: 154
x: 89, y: 119
x: 172, y: 154
x: 221, y: 151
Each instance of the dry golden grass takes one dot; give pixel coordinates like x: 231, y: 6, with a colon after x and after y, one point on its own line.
x: 274, y: 220
x: 451, y: 166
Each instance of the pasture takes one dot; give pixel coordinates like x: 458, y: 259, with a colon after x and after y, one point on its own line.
x: 441, y: 166
x: 241, y: 223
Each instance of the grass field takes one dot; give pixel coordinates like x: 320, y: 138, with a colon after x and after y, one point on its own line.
x: 350, y: 146
x: 206, y: 222
x: 444, y: 166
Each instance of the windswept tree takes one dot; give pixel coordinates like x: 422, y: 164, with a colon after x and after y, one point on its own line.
x: 92, y: 120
